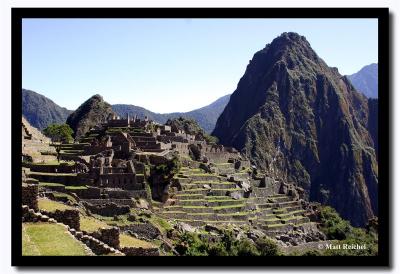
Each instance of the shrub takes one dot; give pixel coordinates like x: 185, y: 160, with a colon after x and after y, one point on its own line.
x: 245, y: 247
x: 267, y: 247
x: 333, y: 225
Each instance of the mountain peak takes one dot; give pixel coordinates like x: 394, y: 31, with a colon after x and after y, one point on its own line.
x: 300, y: 121
x: 92, y: 112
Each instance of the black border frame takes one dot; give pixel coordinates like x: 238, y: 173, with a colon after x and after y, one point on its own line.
x: 382, y: 14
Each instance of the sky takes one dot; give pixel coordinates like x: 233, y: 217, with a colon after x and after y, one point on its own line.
x: 170, y: 65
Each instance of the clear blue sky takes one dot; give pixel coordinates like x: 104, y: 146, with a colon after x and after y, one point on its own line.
x: 168, y: 65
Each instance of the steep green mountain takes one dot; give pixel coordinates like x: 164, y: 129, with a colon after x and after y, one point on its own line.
x: 40, y: 111
x: 302, y: 122
x: 373, y: 122
x: 92, y: 112
x: 206, y: 116
x: 366, y: 80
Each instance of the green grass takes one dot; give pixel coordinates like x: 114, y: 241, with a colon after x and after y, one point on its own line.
x: 51, y: 206
x: 228, y: 206
x: 64, y: 195
x: 188, y: 195
x: 55, y: 163
x: 245, y: 213
x: 55, y: 174
x: 45, y: 184
x: 160, y: 223
x: 45, y: 239
x: 76, y: 187
x: 91, y: 224
x: 129, y: 241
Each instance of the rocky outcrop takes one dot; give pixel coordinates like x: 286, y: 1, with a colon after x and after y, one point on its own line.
x: 92, y: 112
x: 303, y: 122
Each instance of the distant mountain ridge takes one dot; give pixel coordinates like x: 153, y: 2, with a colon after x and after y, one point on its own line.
x: 40, y: 111
x: 366, y: 80
x: 206, y: 116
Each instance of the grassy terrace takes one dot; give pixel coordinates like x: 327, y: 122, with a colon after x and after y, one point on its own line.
x: 45, y: 239
x: 46, y: 184
x: 54, y: 163
x: 51, y: 206
x: 212, y: 182
x: 229, y: 206
x: 285, y: 215
x: 54, y: 174
x: 76, y: 187
x: 129, y: 241
x: 91, y: 224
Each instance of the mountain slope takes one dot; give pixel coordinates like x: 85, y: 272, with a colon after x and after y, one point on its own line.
x: 366, y: 80
x: 206, y: 116
x: 40, y: 111
x: 92, y: 112
x: 302, y: 122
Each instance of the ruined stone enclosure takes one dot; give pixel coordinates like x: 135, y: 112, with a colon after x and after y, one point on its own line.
x: 127, y: 183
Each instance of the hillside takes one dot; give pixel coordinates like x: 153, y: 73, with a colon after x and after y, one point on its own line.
x: 206, y: 116
x: 92, y: 112
x: 40, y: 111
x: 366, y: 80
x: 303, y: 122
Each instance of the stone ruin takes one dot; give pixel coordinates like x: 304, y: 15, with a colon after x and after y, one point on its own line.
x: 110, y: 170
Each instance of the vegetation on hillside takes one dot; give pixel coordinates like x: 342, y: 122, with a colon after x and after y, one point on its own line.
x: 40, y: 111
x: 59, y: 133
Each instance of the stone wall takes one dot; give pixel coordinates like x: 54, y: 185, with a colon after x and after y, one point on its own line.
x: 143, y: 230
x: 88, y: 193
x: 110, y: 236
x: 62, y: 168
x: 140, y: 251
x: 127, y: 202
x: 30, y: 195
x: 68, y: 217
x: 108, y: 209
x: 127, y: 181
x: 116, y: 193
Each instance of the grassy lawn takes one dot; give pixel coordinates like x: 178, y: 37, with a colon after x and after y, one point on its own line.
x: 75, y: 187
x: 91, y: 224
x: 129, y: 241
x: 51, y: 206
x: 46, y: 184
x: 55, y: 163
x: 44, y: 239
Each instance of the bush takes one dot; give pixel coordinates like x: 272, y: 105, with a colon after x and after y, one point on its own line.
x: 333, y: 225
x: 245, y: 247
x: 267, y: 247
x: 336, y: 228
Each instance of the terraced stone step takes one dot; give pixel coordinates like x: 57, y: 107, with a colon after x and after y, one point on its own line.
x: 189, y: 196
x: 230, y: 209
x: 224, y: 192
x: 193, y: 202
x: 204, y: 177
x: 276, y: 227
x: 296, y: 220
x: 224, y: 202
x: 291, y: 213
x: 284, y: 210
x: 174, y: 214
x: 213, y: 185
x: 201, y: 191
x: 272, y: 221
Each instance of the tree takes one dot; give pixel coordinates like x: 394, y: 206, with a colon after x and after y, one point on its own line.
x: 59, y: 133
